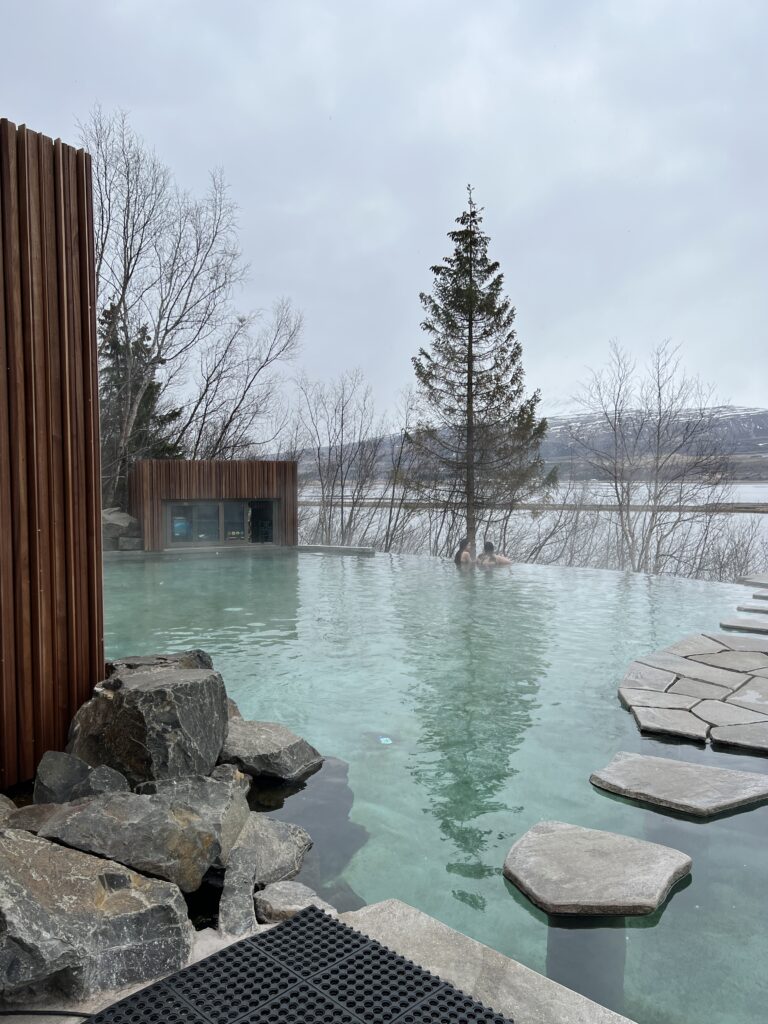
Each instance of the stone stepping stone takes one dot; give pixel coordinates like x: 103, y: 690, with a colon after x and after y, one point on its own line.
x: 644, y: 677
x: 566, y: 869
x: 704, y: 691
x: 694, y: 644
x: 746, y: 737
x: 654, y: 699
x: 760, y: 597
x: 755, y: 625
x: 671, y: 723
x: 718, y: 712
x: 759, y: 579
x: 760, y: 609
x: 693, y: 788
x: 738, y: 661
x: 739, y: 642
x: 753, y: 695
x: 694, y: 670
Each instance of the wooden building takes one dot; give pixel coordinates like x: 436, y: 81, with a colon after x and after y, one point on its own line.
x: 183, y: 504
x: 51, y: 631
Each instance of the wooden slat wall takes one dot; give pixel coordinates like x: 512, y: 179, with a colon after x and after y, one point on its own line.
x: 51, y: 629
x: 153, y: 481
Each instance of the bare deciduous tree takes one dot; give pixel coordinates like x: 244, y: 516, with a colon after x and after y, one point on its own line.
x: 651, y: 439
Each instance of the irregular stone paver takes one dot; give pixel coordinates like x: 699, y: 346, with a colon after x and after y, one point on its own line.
x: 78, y: 923
x: 754, y: 609
x: 654, y: 699
x: 718, y: 712
x: 694, y: 670
x: 754, y: 625
x: 268, y: 748
x: 746, y: 737
x: 671, y: 722
x: 753, y: 695
x: 739, y: 642
x: 760, y: 597
x: 740, y: 661
x: 643, y: 677
x: 281, y: 900
x: 694, y: 788
x: 567, y: 869
x: 759, y: 579
x: 695, y: 688
x: 695, y: 644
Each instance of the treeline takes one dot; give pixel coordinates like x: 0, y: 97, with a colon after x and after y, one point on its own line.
x: 185, y: 373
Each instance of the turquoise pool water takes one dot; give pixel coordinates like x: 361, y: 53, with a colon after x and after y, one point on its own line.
x: 496, y: 692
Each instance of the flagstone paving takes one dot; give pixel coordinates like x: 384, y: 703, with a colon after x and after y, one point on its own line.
x: 708, y: 686
x: 697, y: 789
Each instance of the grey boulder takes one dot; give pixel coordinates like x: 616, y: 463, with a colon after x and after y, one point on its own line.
x: 148, y: 833
x: 266, y: 851
x: 116, y: 525
x: 268, y: 748
x: 154, y: 723
x: 79, y: 924
x: 195, y: 658
x: 7, y: 806
x: 58, y: 774
x: 697, y: 789
x: 566, y: 869
x: 219, y: 799
x: 281, y: 900
x: 100, y: 780
x: 32, y: 817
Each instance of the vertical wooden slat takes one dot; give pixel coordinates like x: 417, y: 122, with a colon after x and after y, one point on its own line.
x: 9, y: 748
x: 50, y: 553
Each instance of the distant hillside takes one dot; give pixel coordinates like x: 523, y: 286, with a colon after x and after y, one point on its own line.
x: 744, y: 432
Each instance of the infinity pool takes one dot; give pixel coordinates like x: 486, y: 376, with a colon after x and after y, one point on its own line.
x: 469, y: 706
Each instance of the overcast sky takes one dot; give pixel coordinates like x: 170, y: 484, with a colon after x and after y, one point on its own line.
x: 619, y: 148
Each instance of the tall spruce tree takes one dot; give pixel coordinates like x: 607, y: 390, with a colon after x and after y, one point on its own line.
x: 135, y: 423
x: 480, y: 434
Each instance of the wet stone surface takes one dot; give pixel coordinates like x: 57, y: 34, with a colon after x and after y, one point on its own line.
x: 566, y: 869
x: 697, y: 789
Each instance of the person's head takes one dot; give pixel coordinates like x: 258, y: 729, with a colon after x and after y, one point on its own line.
x: 487, y: 548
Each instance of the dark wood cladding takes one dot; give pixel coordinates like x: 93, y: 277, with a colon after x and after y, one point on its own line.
x: 51, y: 634
x: 154, y: 481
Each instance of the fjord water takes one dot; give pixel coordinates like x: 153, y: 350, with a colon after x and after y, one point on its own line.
x: 469, y: 706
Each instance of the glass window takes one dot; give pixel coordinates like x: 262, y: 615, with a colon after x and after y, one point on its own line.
x: 181, y: 523
x: 207, y: 521
x: 234, y: 520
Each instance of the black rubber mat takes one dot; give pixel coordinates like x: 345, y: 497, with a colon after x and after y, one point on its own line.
x: 311, y: 969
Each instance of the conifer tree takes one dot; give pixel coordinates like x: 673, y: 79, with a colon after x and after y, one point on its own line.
x: 480, y: 433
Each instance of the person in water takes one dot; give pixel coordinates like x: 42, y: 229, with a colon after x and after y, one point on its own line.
x: 489, y: 559
x: 464, y: 555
